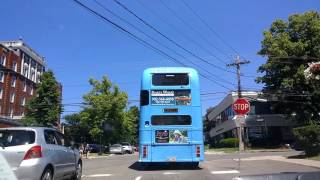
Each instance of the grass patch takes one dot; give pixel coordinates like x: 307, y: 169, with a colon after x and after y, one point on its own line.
x: 225, y: 150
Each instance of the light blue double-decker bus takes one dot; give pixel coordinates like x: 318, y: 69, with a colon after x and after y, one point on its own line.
x: 170, y: 127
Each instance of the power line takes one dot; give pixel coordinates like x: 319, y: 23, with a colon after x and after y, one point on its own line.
x: 139, y: 40
x: 169, y: 39
x: 191, y: 27
x: 181, y: 33
x: 158, y: 42
x: 209, y: 27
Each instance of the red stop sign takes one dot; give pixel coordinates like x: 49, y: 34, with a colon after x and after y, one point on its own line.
x: 241, y: 106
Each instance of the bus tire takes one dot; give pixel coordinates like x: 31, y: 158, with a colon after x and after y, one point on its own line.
x: 195, y: 165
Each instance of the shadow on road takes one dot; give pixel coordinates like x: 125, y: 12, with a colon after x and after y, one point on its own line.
x: 162, y: 166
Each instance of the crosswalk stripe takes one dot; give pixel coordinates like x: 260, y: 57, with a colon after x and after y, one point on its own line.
x: 99, y: 175
x: 225, y: 172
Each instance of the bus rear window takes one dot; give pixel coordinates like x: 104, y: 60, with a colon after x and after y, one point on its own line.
x: 170, y: 79
x: 171, y: 120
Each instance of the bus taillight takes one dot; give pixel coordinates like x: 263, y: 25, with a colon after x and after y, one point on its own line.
x: 198, y: 151
x: 144, y: 152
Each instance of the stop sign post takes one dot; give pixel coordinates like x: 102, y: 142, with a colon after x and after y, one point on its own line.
x: 241, y: 106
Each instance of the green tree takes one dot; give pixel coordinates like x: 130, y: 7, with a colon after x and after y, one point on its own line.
x: 289, y: 46
x: 105, y: 105
x: 45, y: 108
x: 77, y: 131
x: 131, y: 125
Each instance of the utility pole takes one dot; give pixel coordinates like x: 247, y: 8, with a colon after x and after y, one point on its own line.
x: 237, y: 64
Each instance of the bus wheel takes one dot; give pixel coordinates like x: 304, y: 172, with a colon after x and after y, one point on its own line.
x: 195, y: 165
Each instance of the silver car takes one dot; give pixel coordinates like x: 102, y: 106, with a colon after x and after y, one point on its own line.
x: 116, y: 149
x: 39, y: 153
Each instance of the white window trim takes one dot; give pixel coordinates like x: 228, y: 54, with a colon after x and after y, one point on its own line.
x: 1, y: 93
x: 31, y: 90
x: 24, y: 86
x: 23, y: 103
x: 12, y: 96
x: 4, y: 59
x: 2, y: 78
x: 14, y: 82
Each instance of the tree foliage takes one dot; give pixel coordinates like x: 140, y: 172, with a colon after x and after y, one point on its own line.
x: 104, y: 115
x: 289, y: 46
x: 45, y: 108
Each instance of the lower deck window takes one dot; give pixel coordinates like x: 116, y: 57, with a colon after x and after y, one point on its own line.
x: 171, y: 120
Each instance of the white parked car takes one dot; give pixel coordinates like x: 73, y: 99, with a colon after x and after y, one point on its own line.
x: 127, y: 148
x: 116, y: 149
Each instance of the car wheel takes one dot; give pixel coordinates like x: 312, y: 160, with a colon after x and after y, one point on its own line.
x: 47, y: 174
x: 78, y: 173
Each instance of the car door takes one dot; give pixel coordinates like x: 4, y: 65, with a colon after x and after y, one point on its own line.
x: 54, y: 152
x: 67, y: 153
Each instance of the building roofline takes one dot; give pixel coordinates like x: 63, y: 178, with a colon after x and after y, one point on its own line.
x: 25, y: 48
x: 225, y: 101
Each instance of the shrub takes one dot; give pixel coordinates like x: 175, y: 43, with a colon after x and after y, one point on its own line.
x: 228, y: 142
x: 308, y: 139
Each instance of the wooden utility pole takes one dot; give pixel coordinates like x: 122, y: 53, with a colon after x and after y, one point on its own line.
x: 237, y: 64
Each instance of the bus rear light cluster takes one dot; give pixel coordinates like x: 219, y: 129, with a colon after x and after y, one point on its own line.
x: 198, y: 151
x: 144, y: 152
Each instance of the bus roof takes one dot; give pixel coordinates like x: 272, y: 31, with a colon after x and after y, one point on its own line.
x: 147, y: 74
x: 169, y: 70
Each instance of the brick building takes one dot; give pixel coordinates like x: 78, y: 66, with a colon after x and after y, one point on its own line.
x: 20, y: 70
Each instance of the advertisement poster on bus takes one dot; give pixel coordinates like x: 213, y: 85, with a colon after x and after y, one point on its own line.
x: 178, y: 136
x: 171, y: 136
x: 170, y: 97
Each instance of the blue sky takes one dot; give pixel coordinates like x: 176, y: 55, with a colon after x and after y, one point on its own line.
x: 78, y: 45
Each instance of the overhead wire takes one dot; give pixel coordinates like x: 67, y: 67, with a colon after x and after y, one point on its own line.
x: 209, y: 27
x: 169, y: 39
x: 192, y: 28
x: 163, y: 45
x: 139, y: 40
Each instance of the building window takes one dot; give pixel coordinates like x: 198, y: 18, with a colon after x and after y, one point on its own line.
x: 10, y: 111
x: 31, y: 90
x: 3, y: 59
x: 12, y: 95
x: 1, y: 92
x: 23, y: 101
x: 13, y: 81
x: 1, y: 76
x: 24, y: 86
x: 25, y: 69
x: 14, y: 66
x: 32, y: 74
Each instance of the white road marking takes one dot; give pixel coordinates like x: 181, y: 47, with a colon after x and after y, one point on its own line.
x: 83, y: 176
x: 99, y: 175
x: 138, y: 178
x: 225, y: 172
x: 169, y: 173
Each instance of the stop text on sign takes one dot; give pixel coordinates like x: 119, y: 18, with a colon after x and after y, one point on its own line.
x: 241, y: 106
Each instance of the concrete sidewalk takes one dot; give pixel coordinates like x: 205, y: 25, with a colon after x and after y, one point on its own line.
x: 305, y: 162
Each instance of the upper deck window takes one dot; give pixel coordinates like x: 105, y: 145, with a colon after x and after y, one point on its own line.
x: 173, y: 79
x: 171, y: 120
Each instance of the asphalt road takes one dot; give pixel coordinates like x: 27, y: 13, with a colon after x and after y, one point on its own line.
x: 126, y: 167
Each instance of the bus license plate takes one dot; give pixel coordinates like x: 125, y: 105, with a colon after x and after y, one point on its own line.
x: 172, y: 159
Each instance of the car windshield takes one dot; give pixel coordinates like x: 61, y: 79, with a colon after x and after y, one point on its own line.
x: 16, y: 137
x: 160, y: 89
